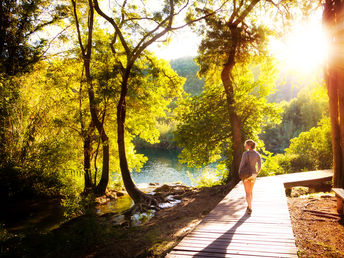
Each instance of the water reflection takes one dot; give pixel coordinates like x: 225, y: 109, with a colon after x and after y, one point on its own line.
x: 163, y: 167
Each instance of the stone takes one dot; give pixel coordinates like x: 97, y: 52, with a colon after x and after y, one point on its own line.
x: 299, y: 190
x: 120, y: 193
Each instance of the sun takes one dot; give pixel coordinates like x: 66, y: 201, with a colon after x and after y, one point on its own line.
x: 305, y: 49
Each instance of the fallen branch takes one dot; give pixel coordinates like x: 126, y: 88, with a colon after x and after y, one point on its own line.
x: 321, y: 220
x: 324, y: 214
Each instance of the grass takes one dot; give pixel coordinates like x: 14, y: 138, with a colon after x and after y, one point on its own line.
x: 317, y: 195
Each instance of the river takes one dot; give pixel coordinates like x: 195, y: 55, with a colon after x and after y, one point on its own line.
x: 163, y: 167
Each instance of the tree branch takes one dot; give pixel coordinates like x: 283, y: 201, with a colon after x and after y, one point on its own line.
x: 114, y: 24
x: 78, y: 27
x: 245, y: 13
x: 51, y: 41
x: 201, y: 18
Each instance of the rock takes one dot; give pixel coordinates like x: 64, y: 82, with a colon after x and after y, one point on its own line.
x: 299, y: 190
x: 163, y: 188
x: 111, y: 194
x: 120, y: 193
x: 102, y: 199
x: 153, y: 184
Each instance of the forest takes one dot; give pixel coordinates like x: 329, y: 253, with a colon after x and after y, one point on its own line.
x: 82, y: 93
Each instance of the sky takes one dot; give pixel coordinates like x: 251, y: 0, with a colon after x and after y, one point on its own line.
x: 183, y: 43
x: 304, y: 49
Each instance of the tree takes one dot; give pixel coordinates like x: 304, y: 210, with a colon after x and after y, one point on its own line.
x: 204, y: 130
x: 19, y: 21
x: 311, y: 150
x: 231, y: 38
x: 187, y: 68
x: 96, y: 115
x: 333, y: 20
x: 41, y: 154
x: 299, y: 115
x: 144, y: 27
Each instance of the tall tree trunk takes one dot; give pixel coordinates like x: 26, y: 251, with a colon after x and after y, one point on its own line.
x: 104, y: 180
x: 340, y: 85
x: 86, y: 55
x: 335, y: 130
x: 333, y: 19
x: 227, y: 80
x: 131, y: 188
x: 87, y: 163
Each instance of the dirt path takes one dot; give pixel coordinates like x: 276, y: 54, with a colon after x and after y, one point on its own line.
x: 318, y: 230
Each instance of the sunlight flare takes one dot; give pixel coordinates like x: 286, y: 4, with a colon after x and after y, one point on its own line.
x: 304, y: 50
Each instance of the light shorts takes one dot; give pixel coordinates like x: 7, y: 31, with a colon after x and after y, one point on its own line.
x: 250, y: 179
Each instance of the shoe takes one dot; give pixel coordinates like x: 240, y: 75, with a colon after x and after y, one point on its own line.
x: 248, y: 210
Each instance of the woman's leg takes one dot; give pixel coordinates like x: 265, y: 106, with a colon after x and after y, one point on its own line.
x: 250, y: 186
x: 248, y: 190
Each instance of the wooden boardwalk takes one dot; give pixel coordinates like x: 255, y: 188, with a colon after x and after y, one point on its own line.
x: 228, y: 231
x: 309, y: 178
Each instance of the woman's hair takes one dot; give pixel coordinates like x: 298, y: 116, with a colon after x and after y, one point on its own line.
x: 251, y: 143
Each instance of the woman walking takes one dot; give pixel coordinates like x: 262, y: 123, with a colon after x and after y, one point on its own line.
x: 250, y: 160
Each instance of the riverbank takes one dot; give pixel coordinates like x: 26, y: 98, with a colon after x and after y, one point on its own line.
x: 100, y: 236
x: 318, y: 230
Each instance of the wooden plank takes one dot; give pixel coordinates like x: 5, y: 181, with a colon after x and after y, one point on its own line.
x: 234, y: 242
x: 307, y: 182
x: 237, y: 248
x: 241, y: 238
x: 339, y: 192
x: 194, y: 252
x: 309, y: 178
x: 184, y: 254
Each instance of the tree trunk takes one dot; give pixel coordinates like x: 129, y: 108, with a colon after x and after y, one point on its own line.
x: 340, y: 176
x: 87, y: 163
x: 335, y: 130
x: 86, y: 55
x: 104, y: 180
x: 333, y: 18
x: 130, y: 186
x: 227, y: 80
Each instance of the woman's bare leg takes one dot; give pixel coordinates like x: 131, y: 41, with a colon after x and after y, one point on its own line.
x: 251, y: 184
x: 248, y: 190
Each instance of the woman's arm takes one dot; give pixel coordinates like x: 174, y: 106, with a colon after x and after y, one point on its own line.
x: 259, y: 162
x: 242, y: 162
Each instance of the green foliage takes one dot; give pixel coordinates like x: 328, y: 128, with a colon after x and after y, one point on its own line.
x: 270, y: 166
x: 187, y: 67
x: 46, y: 116
x: 210, y: 176
x: 287, y: 88
x: 207, y: 179
x: 20, y: 20
x: 311, y: 150
x: 37, y: 153
x: 299, y: 115
x: 203, y: 129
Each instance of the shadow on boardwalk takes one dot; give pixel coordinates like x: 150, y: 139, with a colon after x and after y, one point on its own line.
x: 219, y: 246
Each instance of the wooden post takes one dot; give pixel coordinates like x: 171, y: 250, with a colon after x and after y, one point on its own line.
x: 339, y: 205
